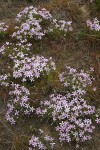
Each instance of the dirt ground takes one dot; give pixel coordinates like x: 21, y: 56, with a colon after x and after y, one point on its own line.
x: 78, y: 51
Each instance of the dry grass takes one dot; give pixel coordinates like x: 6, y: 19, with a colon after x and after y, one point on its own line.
x: 63, y: 9
x: 76, y: 50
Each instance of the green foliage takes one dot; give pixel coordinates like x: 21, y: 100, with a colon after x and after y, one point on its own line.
x: 81, y: 35
x: 2, y: 35
x: 57, y: 34
x: 97, y: 5
x: 98, y: 2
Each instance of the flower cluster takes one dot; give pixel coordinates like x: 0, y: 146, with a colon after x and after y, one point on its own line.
x: 15, y: 51
x: 63, y: 25
x: 70, y: 110
x: 23, y: 66
x: 19, y: 103
x: 35, y: 23
x: 26, y: 69
x: 36, y: 143
x: 77, y: 81
x: 31, y: 68
x: 3, y: 27
x: 4, y: 79
x: 93, y: 25
x: 41, y: 142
